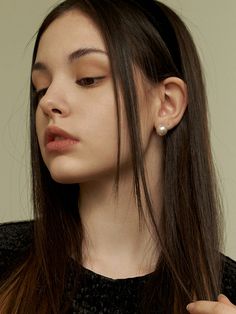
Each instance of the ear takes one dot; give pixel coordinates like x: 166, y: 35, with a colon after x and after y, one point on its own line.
x: 172, y: 102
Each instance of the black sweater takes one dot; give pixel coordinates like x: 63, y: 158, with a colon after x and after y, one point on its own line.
x: 98, y: 294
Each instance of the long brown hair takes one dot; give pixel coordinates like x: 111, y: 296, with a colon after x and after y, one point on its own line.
x: 150, y: 35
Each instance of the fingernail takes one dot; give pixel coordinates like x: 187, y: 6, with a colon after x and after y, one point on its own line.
x: 190, y: 307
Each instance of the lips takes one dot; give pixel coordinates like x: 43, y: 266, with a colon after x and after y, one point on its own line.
x: 54, y: 133
x: 59, y: 141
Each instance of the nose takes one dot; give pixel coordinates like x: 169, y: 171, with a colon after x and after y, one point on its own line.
x: 52, y: 109
x: 53, y: 105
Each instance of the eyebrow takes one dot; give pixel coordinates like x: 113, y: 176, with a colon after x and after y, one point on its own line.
x: 40, y: 66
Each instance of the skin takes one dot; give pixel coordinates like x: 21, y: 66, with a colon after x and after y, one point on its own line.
x: 113, y: 245
x: 222, y: 306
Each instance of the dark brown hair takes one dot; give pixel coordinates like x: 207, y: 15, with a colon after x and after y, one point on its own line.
x: 151, y: 36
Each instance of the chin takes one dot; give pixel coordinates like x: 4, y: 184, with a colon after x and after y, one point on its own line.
x: 68, y: 176
x: 64, y: 180
x: 66, y: 171
x: 63, y: 170
x: 64, y: 176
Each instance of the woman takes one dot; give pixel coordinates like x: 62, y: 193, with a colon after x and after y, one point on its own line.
x: 127, y: 213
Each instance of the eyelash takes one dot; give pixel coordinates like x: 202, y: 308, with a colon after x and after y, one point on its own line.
x: 41, y: 92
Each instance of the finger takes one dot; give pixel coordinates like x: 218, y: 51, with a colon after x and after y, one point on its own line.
x: 210, y: 307
x: 223, y: 299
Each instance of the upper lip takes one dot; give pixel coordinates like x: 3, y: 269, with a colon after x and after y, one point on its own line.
x: 53, y: 131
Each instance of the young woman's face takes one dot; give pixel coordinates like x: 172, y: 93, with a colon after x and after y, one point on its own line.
x: 78, y: 99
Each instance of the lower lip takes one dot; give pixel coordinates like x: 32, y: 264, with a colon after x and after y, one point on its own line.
x: 60, y: 146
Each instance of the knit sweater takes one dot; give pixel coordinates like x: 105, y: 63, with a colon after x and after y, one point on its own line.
x: 98, y: 294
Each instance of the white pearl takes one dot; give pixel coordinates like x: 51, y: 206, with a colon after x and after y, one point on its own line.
x: 162, y: 130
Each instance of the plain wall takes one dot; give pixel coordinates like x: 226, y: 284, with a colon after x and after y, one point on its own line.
x: 213, y: 25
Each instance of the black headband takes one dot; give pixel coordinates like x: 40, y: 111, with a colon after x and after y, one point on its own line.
x: 160, y: 21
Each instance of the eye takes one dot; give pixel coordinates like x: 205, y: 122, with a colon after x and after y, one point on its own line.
x: 90, y: 81
x: 40, y: 93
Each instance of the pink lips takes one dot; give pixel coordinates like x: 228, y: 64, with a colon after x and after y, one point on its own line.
x: 58, y: 140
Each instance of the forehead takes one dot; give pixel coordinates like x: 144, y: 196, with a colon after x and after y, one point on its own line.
x: 68, y: 32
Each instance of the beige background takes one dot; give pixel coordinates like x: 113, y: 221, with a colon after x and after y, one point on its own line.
x: 213, y: 25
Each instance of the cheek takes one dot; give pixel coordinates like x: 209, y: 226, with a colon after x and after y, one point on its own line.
x: 98, y: 133
x: 97, y: 121
x: 40, y: 127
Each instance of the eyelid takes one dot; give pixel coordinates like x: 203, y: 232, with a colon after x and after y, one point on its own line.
x: 97, y: 78
x: 38, y: 92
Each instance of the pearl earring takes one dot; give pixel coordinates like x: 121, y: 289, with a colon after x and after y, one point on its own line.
x: 162, y: 130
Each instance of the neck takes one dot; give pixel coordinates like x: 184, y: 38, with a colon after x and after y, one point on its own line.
x: 114, y: 241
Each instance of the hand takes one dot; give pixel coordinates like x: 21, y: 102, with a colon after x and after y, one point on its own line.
x: 222, y: 306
